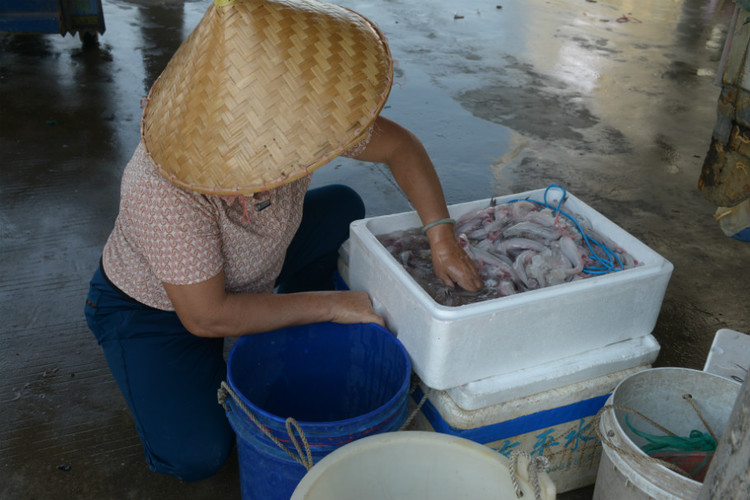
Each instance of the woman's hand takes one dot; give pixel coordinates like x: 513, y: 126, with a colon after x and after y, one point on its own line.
x: 207, y: 310
x: 352, y: 307
x: 451, y: 263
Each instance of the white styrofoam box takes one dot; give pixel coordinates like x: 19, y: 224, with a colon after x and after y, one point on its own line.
x: 559, y: 424
x: 558, y: 373
x: 451, y: 346
x: 343, y: 262
x: 729, y: 356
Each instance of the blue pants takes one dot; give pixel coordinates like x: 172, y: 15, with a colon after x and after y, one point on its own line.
x: 170, y: 377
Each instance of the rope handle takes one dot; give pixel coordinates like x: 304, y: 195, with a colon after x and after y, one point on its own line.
x: 416, y: 410
x: 534, y: 465
x: 307, y: 461
x: 639, y: 414
x: 642, y: 459
x: 304, y: 459
x: 689, y: 398
x: 292, y: 426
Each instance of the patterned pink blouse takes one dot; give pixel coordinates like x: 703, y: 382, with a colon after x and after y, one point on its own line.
x: 164, y: 233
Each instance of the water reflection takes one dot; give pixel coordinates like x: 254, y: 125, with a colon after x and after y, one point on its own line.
x: 60, y: 94
x: 161, y: 28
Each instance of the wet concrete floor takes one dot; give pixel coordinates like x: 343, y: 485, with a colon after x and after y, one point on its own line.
x: 613, y: 99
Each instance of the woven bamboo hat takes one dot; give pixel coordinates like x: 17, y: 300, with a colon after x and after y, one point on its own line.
x: 263, y: 92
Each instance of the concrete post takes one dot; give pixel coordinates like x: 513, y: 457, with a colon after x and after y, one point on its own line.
x: 728, y: 476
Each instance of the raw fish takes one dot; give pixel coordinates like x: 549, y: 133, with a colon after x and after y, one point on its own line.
x: 516, y: 247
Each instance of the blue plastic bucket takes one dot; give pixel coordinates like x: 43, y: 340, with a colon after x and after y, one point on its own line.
x: 339, y: 382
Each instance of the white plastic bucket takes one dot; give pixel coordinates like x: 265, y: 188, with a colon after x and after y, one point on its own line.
x: 625, y: 472
x: 417, y: 464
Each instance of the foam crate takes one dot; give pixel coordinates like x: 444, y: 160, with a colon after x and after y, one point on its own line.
x: 729, y: 355
x: 451, y: 346
x: 597, y: 362
x: 559, y: 424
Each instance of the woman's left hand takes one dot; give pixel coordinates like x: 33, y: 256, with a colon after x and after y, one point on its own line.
x: 450, y: 262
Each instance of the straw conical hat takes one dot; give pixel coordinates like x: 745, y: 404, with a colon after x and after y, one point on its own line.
x: 263, y: 92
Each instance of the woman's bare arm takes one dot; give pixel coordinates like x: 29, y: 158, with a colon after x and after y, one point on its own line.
x: 207, y: 310
x: 415, y: 174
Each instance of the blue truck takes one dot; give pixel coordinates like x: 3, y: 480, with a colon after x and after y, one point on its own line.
x: 82, y: 17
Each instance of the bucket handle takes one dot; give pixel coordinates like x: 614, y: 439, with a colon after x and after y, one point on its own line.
x: 689, y: 398
x: 639, y: 458
x: 534, y: 465
x: 304, y: 459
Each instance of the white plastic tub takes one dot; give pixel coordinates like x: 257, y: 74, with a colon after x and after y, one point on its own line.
x: 451, y: 346
x: 414, y: 464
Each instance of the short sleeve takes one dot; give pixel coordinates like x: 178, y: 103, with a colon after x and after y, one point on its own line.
x: 176, y: 231
x: 358, y: 148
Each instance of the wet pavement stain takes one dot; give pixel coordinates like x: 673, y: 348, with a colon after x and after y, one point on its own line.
x: 615, y: 100
x: 529, y: 96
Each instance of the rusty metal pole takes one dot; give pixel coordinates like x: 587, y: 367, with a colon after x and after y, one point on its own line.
x: 728, y: 476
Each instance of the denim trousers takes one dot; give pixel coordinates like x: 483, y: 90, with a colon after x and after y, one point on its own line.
x: 170, y: 378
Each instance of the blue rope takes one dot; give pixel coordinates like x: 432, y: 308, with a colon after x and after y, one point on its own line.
x: 611, y: 262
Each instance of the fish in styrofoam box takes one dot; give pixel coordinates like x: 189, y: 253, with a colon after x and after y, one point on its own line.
x: 515, y: 247
x: 451, y: 346
x: 559, y: 424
